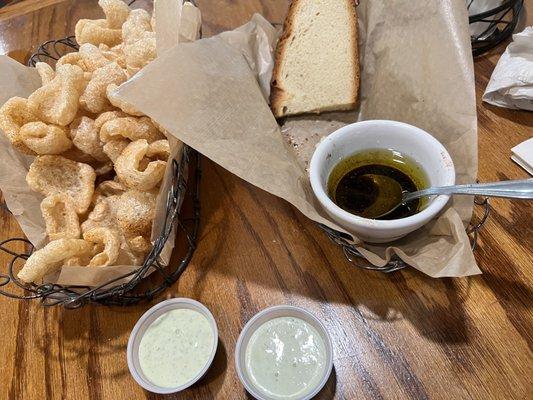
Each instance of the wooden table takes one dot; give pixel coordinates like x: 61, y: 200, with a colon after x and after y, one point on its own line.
x: 395, y: 336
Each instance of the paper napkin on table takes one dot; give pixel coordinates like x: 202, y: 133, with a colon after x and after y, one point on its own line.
x: 511, y: 84
x: 523, y: 155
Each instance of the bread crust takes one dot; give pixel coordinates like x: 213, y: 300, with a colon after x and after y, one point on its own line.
x: 278, y: 95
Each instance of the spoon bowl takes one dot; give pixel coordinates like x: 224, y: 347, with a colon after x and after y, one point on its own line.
x: 389, y: 197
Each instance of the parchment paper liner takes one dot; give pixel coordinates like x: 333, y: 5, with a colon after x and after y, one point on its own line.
x: 416, y: 67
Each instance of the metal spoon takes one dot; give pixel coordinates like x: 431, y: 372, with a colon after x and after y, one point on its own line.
x: 519, y: 189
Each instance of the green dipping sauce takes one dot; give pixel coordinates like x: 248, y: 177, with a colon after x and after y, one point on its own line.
x: 175, y: 347
x: 286, y: 358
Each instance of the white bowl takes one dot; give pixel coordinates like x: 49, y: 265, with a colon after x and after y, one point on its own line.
x: 380, y: 134
x: 140, y: 328
x: 266, y: 315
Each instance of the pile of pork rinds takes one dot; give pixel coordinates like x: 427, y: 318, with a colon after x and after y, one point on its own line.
x: 98, y: 162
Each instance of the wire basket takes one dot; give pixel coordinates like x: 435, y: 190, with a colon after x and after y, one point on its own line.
x: 151, y: 278
x: 492, y: 27
x: 395, y: 264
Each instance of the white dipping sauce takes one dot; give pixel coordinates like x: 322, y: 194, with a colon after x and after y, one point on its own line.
x: 175, y: 347
x: 285, y: 358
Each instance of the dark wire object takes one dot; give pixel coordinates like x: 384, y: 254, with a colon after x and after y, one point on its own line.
x: 355, y: 257
x: 143, y: 283
x: 53, y: 50
x: 501, y: 22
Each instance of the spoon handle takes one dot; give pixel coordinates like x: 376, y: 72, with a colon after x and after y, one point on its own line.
x: 520, y: 189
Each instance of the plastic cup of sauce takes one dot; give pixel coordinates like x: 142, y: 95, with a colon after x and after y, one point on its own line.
x: 172, y: 345
x: 284, y: 353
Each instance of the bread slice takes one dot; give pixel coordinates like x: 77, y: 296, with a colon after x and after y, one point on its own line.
x: 317, y: 59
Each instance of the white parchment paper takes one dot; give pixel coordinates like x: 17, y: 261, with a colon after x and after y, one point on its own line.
x: 216, y: 90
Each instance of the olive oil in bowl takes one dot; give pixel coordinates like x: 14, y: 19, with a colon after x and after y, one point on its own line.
x: 351, y: 188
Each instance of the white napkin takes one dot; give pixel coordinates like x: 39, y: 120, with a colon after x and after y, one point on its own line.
x: 523, y: 155
x: 511, y: 84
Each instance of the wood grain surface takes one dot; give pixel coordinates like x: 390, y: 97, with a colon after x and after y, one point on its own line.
x: 398, y: 336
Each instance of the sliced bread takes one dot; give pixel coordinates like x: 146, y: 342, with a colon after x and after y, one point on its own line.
x: 317, y: 59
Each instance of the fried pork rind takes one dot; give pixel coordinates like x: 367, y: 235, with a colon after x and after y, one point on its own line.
x: 110, y: 240
x: 139, y: 245
x: 86, y: 138
x: 128, y: 170
x: 60, y: 217
x: 96, y: 32
x: 75, y: 154
x: 135, y: 213
x: 94, y: 98
x: 160, y: 127
x: 140, y: 52
x: 160, y: 150
x: 111, y: 188
x: 115, y: 54
x: 82, y: 260
x: 91, y: 58
x: 50, y: 258
x: 138, y: 48
x: 103, y: 169
x: 136, y: 24
x: 57, y: 102
x: 50, y: 175
x: 116, y: 12
x: 45, y: 139
x: 107, y: 116
x: 107, y: 189
x: 13, y: 115
x: 114, y: 148
x: 111, y: 92
x: 77, y: 114
x: 80, y: 25
x: 73, y: 58
x: 46, y: 72
x: 131, y: 128
x: 104, y: 215
x: 87, y: 76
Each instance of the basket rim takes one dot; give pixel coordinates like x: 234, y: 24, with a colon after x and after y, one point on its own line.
x: 504, y: 6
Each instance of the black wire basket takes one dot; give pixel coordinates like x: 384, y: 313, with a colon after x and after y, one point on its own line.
x: 494, y: 26
x: 355, y: 257
x: 152, y: 277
